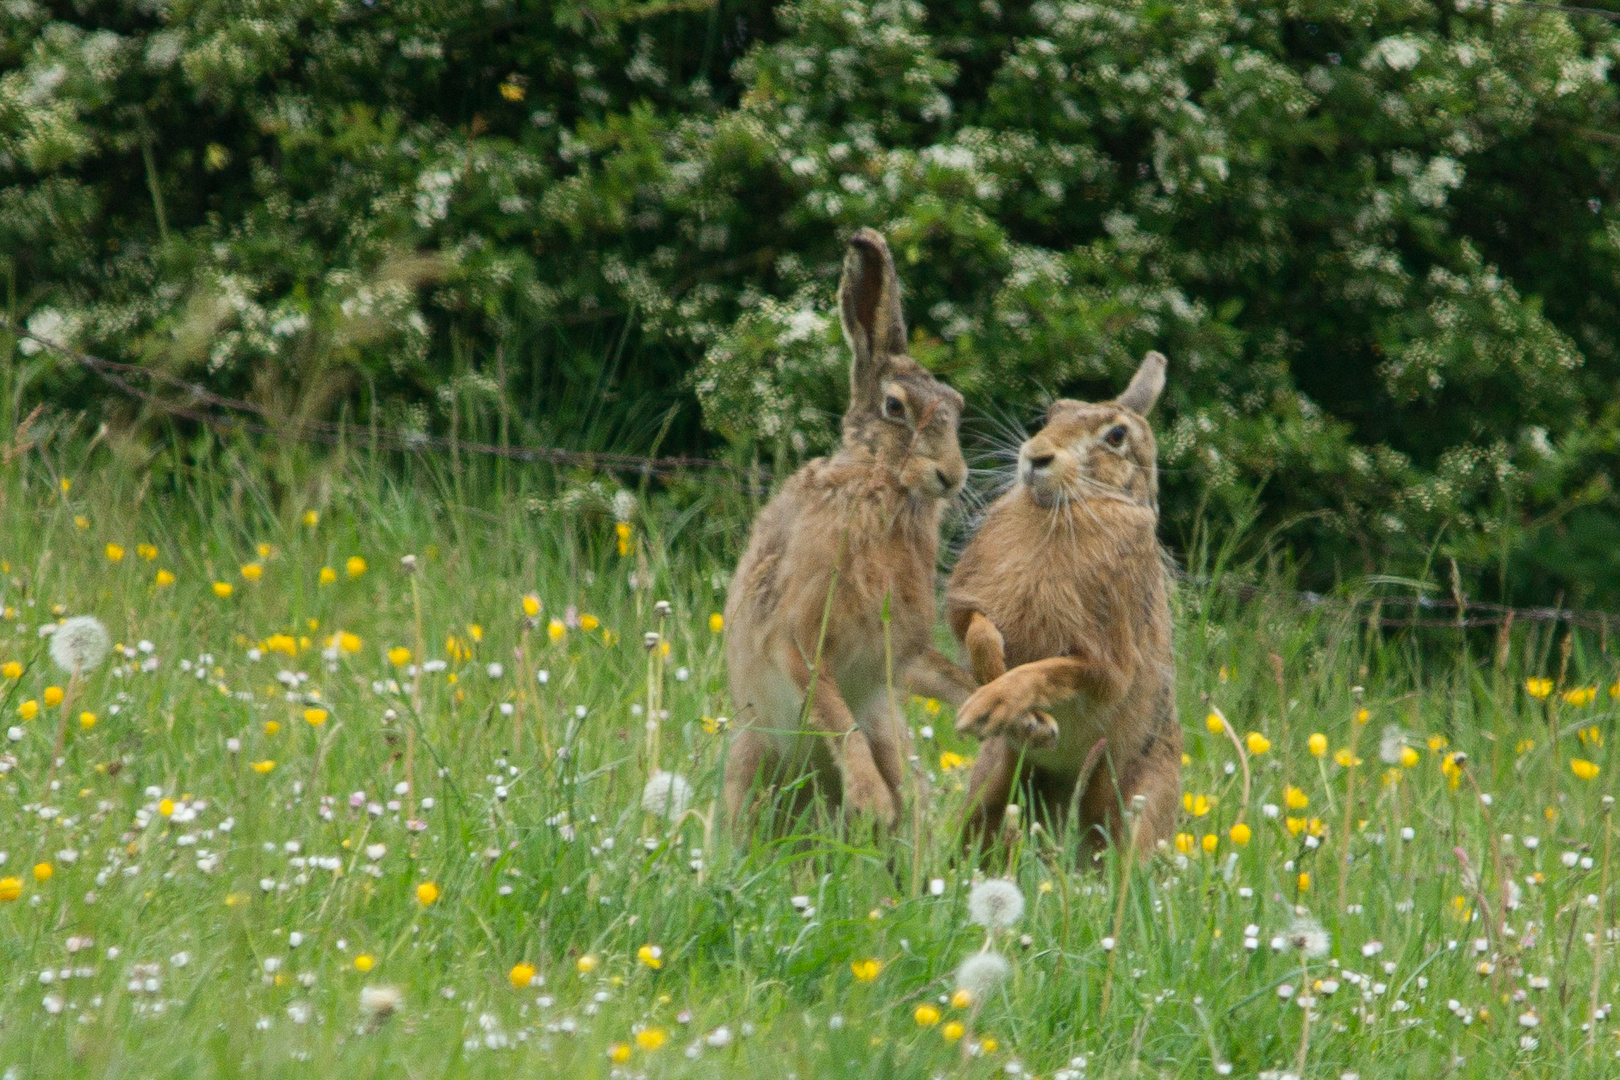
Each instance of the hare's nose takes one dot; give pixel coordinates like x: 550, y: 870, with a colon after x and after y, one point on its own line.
x: 1040, y: 460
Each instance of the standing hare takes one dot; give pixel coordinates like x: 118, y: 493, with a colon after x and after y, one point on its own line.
x: 845, y: 535
x: 1066, y: 583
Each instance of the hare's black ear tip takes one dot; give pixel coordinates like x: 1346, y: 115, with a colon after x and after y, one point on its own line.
x: 867, y: 237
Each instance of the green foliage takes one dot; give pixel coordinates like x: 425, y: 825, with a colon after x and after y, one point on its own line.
x: 1378, y: 240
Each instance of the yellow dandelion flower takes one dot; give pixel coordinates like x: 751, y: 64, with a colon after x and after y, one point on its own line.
x: 622, y: 530
x: 1240, y: 834
x: 950, y: 760
x: 1257, y: 743
x: 223, y: 589
x: 1214, y: 724
x: 347, y: 642
x: 952, y: 1031
x: 11, y: 669
x: 1362, y: 716
x: 1210, y: 842
x: 588, y: 623
x: 926, y: 1015
x: 989, y: 1046
x: 1346, y: 758
x: 651, y: 1038
x: 28, y: 709
x: 1409, y: 757
x: 355, y: 566
x: 399, y: 656
x: 586, y: 964
x: 1538, y: 688
x: 272, y: 727
x: 456, y: 649
x: 327, y: 575
x: 717, y: 623
x: 1305, y: 881
x: 521, y: 975
x: 364, y: 962
x: 1579, y: 695
x: 1586, y: 770
x: 43, y: 871
x: 81, y: 522
x: 618, y: 1052
x: 1296, y: 825
x: 314, y: 717
x: 10, y: 889
x: 475, y: 631
x: 651, y: 956
x: 556, y: 630
x: 115, y: 553
x: 531, y: 605
x: 252, y: 572
x: 166, y: 807
x: 426, y: 893
x: 147, y: 552
x: 312, y: 518
x: 67, y: 485
x: 1438, y: 743
x: 164, y: 579
x: 511, y: 91
x: 1614, y: 691
x: 281, y: 643
x: 1294, y: 798
x: 931, y: 706
x: 1317, y: 744
x: 961, y: 998
x: 865, y: 970
x: 1184, y: 842
x: 1451, y: 768
x: 262, y: 767
x: 1196, y: 805
x: 87, y: 720
x: 53, y: 696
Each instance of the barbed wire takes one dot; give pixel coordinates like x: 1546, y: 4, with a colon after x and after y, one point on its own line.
x: 1469, y: 615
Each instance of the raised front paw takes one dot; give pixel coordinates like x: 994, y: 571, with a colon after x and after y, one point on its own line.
x: 995, y: 708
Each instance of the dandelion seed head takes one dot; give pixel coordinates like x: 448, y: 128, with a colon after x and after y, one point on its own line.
x: 981, y: 973
x: 380, y: 1002
x: 996, y: 904
x: 1306, y: 935
x: 666, y: 793
x: 80, y: 644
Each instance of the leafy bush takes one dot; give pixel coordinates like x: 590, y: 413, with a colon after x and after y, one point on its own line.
x: 1377, y: 240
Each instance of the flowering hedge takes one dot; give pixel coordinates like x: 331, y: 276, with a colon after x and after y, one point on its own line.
x: 1378, y: 241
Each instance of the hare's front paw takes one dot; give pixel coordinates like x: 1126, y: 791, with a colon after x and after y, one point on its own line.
x: 865, y: 790
x: 1005, y: 706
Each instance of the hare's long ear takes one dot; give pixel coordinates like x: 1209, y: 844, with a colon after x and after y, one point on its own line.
x: 1146, y: 385
x: 869, y: 305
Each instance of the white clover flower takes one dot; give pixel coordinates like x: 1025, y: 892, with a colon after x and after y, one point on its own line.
x: 996, y: 903
x: 1307, y: 936
x: 981, y: 973
x: 80, y: 644
x: 666, y: 793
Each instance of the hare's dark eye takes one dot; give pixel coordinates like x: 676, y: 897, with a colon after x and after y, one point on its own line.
x: 1115, y: 436
x: 893, y: 407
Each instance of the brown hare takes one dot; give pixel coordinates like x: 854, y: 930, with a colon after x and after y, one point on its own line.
x: 804, y: 634
x: 1066, y: 584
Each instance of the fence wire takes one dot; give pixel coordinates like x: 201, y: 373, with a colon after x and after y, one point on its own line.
x: 1422, y: 612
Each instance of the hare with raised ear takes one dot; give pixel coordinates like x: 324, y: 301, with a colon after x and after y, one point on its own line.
x: 1065, y: 584
x: 805, y: 651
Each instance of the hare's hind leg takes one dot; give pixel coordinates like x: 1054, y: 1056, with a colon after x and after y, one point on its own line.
x: 1153, y: 774
x: 749, y: 752
x: 989, y: 788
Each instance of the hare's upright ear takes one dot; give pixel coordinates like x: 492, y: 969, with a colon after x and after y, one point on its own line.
x: 869, y: 305
x: 1146, y: 385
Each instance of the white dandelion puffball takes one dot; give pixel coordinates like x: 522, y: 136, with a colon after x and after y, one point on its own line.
x: 1306, y: 935
x: 380, y: 1002
x: 981, y: 973
x: 80, y: 644
x: 666, y: 793
x: 996, y: 903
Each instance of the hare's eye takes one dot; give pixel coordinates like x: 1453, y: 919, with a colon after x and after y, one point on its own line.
x: 894, y: 407
x: 1115, y: 436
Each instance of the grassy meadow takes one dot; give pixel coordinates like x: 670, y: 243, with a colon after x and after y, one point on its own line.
x: 320, y: 814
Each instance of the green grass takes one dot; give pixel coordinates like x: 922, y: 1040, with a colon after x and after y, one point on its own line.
x: 760, y: 941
